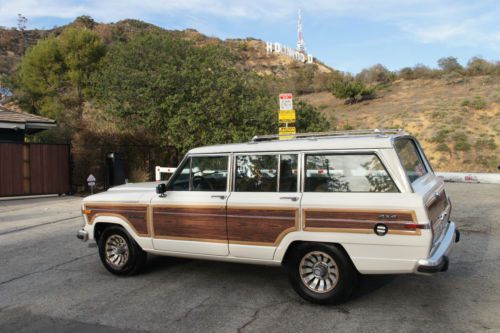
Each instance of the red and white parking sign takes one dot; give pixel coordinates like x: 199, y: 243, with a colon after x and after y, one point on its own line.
x: 286, y: 102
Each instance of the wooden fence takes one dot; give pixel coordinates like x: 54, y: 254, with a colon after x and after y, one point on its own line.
x: 28, y: 169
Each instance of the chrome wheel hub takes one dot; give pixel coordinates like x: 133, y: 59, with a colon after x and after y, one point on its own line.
x: 318, y: 271
x: 117, y: 251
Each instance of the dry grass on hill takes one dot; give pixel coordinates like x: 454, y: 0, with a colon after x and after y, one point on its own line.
x: 458, y: 124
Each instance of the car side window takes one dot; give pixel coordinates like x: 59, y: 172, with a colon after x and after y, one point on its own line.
x: 256, y: 173
x: 288, y: 173
x: 347, y: 173
x: 181, y: 180
x: 209, y: 173
x: 410, y: 159
x: 202, y: 173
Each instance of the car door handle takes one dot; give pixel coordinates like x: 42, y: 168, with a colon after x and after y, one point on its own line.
x: 222, y: 197
x: 290, y: 198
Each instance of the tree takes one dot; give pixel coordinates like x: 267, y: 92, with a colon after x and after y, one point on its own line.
x: 81, y: 50
x: 449, y: 64
x: 184, y: 95
x: 54, y: 74
x: 479, y: 66
x: 377, y: 74
x: 309, y: 119
x: 352, y: 91
x: 21, y: 27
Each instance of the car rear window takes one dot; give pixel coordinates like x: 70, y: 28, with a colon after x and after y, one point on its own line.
x: 410, y: 159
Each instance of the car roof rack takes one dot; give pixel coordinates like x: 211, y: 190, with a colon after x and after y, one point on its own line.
x: 376, y: 131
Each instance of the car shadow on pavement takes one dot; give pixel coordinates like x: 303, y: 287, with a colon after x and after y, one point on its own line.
x: 157, y: 263
x: 368, y: 284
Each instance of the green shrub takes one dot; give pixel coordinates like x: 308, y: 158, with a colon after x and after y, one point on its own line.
x: 352, y: 91
x: 478, y: 103
x: 441, y: 136
x: 454, y: 77
x: 488, y: 161
x: 461, y: 142
x: 438, y: 115
x: 486, y: 144
x: 443, y: 147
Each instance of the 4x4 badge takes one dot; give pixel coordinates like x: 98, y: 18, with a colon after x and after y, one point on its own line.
x: 387, y: 216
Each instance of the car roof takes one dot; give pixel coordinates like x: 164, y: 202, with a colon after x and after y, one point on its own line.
x: 337, y: 142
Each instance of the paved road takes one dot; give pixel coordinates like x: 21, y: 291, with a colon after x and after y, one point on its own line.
x: 49, y: 281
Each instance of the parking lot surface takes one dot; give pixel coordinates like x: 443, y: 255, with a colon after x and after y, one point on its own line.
x: 50, y: 281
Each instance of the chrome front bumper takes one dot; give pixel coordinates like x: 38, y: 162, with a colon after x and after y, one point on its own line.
x: 438, y: 261
x: 82, y: 235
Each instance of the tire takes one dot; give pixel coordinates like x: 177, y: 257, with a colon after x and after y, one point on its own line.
x: 321, y: 273
x: 119, y: 252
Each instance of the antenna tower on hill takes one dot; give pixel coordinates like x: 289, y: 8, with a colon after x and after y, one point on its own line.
x: 300, y: 36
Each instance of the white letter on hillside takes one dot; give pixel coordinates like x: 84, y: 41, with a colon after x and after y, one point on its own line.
x: 269, y: 47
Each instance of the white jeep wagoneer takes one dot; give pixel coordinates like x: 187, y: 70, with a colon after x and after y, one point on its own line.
x: 326, y: 205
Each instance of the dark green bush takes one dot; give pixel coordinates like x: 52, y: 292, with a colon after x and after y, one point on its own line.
x: 352, y: 91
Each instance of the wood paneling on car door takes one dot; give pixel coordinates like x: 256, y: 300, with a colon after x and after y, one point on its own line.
x: 260, y: 226
x: 190, y: 222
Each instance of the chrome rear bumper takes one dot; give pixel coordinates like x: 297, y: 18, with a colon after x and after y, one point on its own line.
x: 438, y: 261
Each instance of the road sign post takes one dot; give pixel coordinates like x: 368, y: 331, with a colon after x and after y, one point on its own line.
x: 91, y: 181
x: 286, y: 117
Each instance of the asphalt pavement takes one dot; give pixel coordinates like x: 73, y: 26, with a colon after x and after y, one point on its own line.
x: 51, y: 282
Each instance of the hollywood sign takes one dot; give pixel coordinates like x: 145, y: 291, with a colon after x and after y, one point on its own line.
x: 288, y: 51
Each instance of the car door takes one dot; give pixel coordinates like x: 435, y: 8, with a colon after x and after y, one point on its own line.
x: 191, y: 216
x: 264, y: 203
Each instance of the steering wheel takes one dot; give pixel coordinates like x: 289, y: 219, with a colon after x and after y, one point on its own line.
x: 200, y: 183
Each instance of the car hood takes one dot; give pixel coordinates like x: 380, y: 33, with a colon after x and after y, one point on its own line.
x: 131, y: 192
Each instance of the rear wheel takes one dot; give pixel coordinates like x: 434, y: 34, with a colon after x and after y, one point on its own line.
x: 119, y: 253
x: 321, y: 273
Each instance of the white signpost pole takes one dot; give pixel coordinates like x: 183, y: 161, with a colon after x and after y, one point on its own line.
x: 91, y: 181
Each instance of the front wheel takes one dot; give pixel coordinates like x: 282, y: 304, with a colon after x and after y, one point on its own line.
x: 119, y: 253
x: 321, y: 273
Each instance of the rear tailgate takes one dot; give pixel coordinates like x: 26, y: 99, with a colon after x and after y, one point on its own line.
x: 438, y: 210
x: 426, y: 184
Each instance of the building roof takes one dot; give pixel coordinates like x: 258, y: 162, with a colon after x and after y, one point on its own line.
x: 30, y: 123
x: 347, y: 141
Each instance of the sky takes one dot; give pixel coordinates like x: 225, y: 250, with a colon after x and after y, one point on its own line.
x: 348, y: 35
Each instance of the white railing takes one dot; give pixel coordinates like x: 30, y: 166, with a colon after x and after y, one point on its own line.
x: 159, y: 170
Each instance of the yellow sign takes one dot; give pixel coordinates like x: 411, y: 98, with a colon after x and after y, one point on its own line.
x: 286, y: 130
x: 287, y: 116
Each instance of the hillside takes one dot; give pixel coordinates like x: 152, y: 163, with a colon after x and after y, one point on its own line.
x: 457, y: 121
x: 458, y: 124
x: 251, y: 52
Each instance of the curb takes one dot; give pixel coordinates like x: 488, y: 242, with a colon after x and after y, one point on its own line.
x: 461, y: 177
